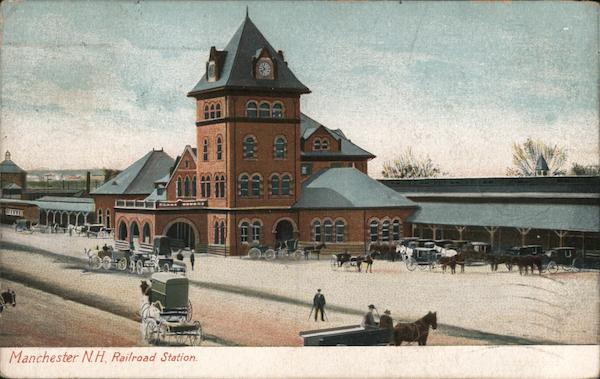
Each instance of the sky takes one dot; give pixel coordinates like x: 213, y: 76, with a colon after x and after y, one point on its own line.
x: 98, y: 84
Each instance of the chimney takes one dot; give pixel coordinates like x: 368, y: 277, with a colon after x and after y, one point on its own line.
x: 88, y: 180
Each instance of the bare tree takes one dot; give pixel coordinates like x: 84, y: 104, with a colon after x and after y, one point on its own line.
x: 526, y: 155
x: 408, y: 165
x: 590, y: 170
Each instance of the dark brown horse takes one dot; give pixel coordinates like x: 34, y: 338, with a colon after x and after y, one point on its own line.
x: 495, y: 260
x: 368, y: 258
x: 145, y: 287
x: 342, y: 258
x: 528, y: 262
x: 8, y: 297
x: 415, y: 331
x: 314, y: 249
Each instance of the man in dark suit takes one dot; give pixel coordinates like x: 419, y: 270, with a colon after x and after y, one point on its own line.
x: 319, y: 304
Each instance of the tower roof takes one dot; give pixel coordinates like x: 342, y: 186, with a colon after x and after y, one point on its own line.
x: 235, y: 71
x: 8, y: 166
x: 541, y: 164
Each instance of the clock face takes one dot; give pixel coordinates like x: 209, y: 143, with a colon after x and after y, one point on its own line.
x: 264, y: 69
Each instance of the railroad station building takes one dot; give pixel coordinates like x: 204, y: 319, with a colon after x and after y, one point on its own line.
x: 262, y: 171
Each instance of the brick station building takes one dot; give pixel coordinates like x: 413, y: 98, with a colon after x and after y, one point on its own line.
x: 262, y: 171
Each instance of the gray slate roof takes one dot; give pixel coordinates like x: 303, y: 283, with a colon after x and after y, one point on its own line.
x: 348, y: 188
x: 237, y: 68
x: 573, y: 217
x: 308, y: 126
x: 51, y: 203
x: 9, y: 167
x: 138, y: 178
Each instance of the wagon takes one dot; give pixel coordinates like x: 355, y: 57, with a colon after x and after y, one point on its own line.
x: 566, y: 258
x: 353, y: 335
x: 24, y: 226
x: 155, y: 257
x: 425, y: 257
x: 167, y: 316
x: 476, y: 252
x: 107, y: 258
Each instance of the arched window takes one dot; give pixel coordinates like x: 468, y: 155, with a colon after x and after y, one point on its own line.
x: 222, y: 233
x: 99, y: 220
x: 317, y: 144
x: 316, y: 227
x: 279, y: 147
x: 218, y: 111
x: 249, y: 147
x: 122, y: 231
x: 212, y: 111
x: 244, y: 232
x: 385, y: 231
x: 251, y: 110
x: 219, y: 148
x: 396, y: 234
x: 203, y: 186
x: 194, y: 184
x: 205, y: 149
x: 339, y: 230
x: 220, y: 186
x: 186, y: 187
x: 256, y: 185
x: 108, y: 218
x: 206, y: 114
x: 373, y: 230
x: 328, y: 230
x: 207, y: 185
x: 285, y: 185
x: 146, y: 233
x: 178, y: 187
x: 244, y: 185
x: 277, y: 110
x: 324, y: 144
x: 275, y: 185
x: 256, y: 231
x: 216, y: 233
x: 264, y: 110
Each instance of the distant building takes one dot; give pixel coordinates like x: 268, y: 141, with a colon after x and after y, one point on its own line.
x: 13, y: 179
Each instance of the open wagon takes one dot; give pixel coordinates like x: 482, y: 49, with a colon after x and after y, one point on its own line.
x: 167, y: 316
x: 353, y: 335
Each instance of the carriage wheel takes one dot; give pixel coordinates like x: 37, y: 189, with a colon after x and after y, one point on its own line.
x: 95, y: 262
x: 411, y: 264
x: 270, y: 254
x: 139, y: 267
x: 122, y: 264
x: 106, y: 263
x: 254, y: 253
x: 145, y: 311
x: 552, y: 267
x: 334, y: 262
x: 132, y: 266
x: 298, y: 254
x: 422, y: 267
x: 190, y: 311
x: 197, y: 338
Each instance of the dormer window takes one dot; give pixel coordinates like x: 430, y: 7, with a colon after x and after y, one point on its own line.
x: 211, y: 71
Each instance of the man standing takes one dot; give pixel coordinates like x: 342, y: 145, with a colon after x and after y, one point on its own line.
x: 319, y: 304
x: 192, y: 259
x: 369, y: 319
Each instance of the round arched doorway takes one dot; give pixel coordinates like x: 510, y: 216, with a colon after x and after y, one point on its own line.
x: 122, y: 231
x: 134, y: 232
x: 184, y: 232
x: 284, y: 231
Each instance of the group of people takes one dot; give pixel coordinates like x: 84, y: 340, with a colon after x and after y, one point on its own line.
x: 385, y: 320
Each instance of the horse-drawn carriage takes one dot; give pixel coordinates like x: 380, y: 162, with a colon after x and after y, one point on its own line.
x: 348, y: 262
x: 167, y: 316
x: 282, y: 249
x: 567, y: 258
x: 93, y: 230
x: 154, y: 257
x: 107, y: 258
x: 23, y: 226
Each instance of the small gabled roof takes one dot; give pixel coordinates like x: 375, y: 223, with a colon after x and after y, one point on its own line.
x: 138, y: 178
x: 308, y: 126
x: 348, y: 188
x: 541, y: 164
x: 236, y: 71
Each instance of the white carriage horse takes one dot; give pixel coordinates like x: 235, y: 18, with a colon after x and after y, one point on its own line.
x: 405, y: 252
x: 449, y: 257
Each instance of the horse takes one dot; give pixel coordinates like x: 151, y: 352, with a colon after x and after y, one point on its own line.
x: 451, y: 257
x: 405, y: 252
x: 145, y: 288
x: 495, y: 260
x: 342, y: 258
x: 8, y: 297
x: 313, y: 249
x: 529, y: 261
x: 368, y: 259
x: 415, y: 331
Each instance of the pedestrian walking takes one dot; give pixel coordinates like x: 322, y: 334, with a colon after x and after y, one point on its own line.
x: 319, y: 304
x: 192, y: 260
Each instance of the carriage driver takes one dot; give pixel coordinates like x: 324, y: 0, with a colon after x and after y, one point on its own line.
x: 368, y: 318
x: 386, y: 321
